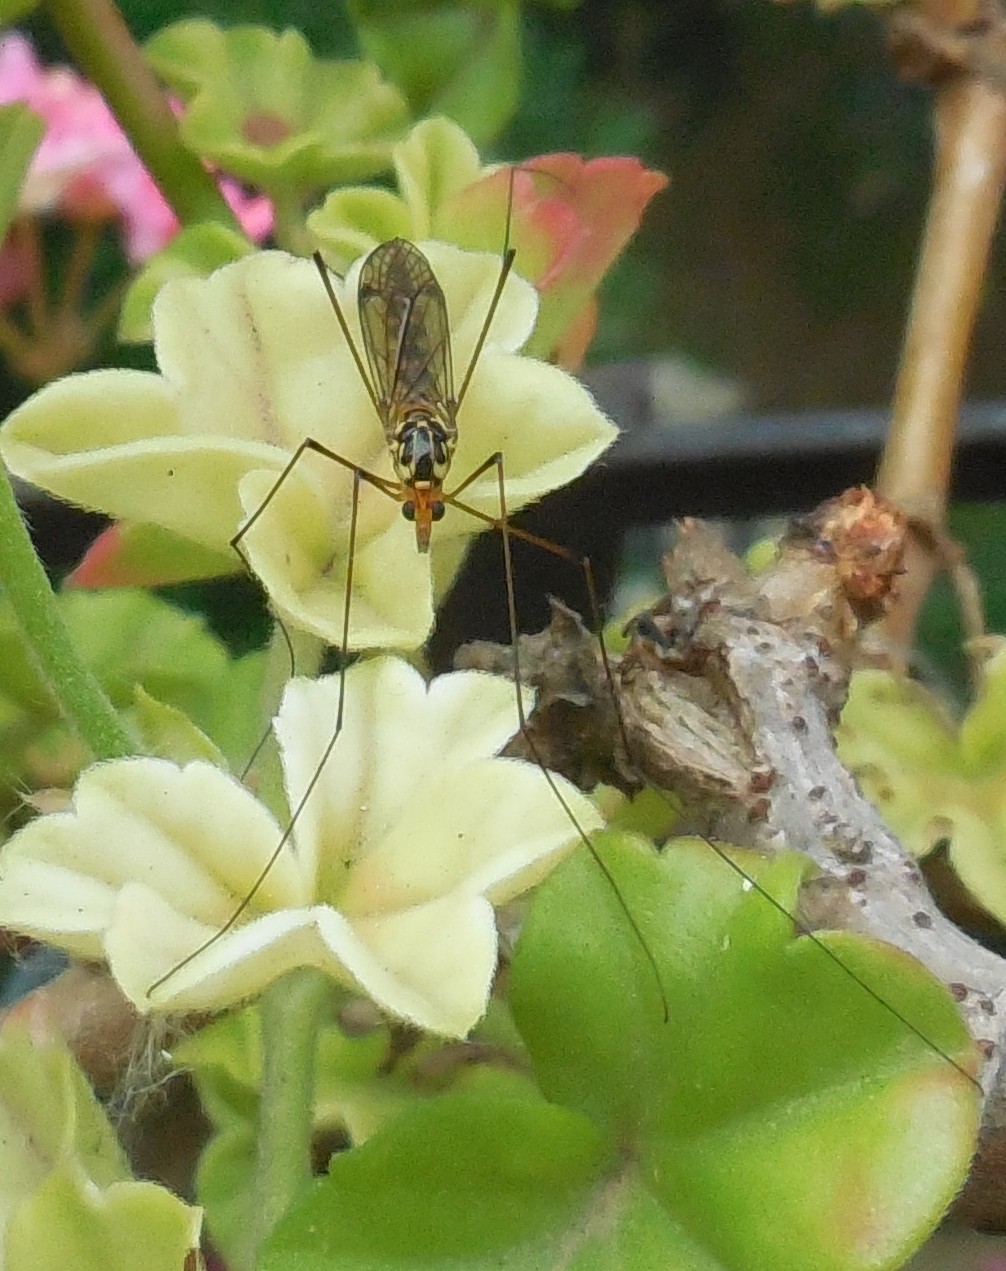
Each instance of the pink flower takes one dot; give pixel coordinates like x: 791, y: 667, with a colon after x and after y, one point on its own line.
x: 571, y: 219
x: 85, y: 168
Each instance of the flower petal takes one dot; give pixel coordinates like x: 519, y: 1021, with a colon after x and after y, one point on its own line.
x: 54, y: 904
x: 545, y: 424
x: 254, y: 352
x: 468, y: 281
x: 113, y: 441
x: 432, y: 965
x: 300, y: 553
x: 193, y: 834
x: 438, y: 960
x: 494, y: 826
x: 398, y: 739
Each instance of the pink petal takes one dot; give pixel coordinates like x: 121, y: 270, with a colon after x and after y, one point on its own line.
x: 85, y: 166
x: 609, y: 196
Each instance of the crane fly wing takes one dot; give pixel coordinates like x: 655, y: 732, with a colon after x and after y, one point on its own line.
x: 406, y: 332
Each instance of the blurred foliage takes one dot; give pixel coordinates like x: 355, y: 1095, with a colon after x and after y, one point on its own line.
x: 980, y: 529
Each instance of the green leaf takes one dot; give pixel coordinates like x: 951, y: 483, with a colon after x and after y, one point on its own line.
x: 455, y: 1181
x: 772, y: 1056
x: 67, y: 1224
x: 261, y: 106
x: 459, y: 60
x: 20, y: 133
x: 780, y: 1117
x: 128, y: 638
x: 194, y: 252
x: 168, y: 732
x: 67, y: 1199
x: 14, y: 11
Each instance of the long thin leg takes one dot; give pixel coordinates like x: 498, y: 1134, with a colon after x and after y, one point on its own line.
x: 502, y: 523
x: 509, y: 531
x: 359, y: 475
x: 344, y: 328
x: 388, y: 487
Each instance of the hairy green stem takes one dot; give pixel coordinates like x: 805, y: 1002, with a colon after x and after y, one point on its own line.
x: 289, y: 229
x: 24, y: 584
x: 100, y: 42
x: 291, y: 1009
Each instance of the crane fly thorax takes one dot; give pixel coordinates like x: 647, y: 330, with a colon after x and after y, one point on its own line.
x: 422, y: 446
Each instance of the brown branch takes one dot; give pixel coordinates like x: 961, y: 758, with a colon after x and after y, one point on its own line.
x: 964, y: 57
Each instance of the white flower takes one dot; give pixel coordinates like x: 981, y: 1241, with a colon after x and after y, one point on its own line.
x: 413, y: 832
x: 252, y: 362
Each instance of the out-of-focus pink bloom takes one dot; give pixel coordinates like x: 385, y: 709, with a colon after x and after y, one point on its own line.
x: 85, y: 168
x: 571, y: 219
x: 605, y: 198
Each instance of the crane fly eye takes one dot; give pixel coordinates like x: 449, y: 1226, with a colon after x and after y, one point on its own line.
x: 409, y: 511
x: 437, y: 511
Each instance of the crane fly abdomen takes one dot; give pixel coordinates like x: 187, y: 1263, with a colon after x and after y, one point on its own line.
x: 406, y: 337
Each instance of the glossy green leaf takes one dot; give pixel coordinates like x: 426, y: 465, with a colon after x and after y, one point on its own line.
x: 455, y: 1181
x: 772, y: 1056
x: 20, y: 133
x: 779, y: 1118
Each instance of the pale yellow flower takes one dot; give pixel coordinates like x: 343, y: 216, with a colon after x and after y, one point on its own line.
x: 414, y: 831
x: 252, y: 361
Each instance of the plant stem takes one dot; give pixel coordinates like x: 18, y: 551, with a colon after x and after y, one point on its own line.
x: 100, y: 42
x: 969, y: 175
x: 74, y: 686
x: 290, y: 1013
x: 289, y: 229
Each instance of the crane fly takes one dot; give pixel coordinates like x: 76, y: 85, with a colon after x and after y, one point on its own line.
x: 407, y: 370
